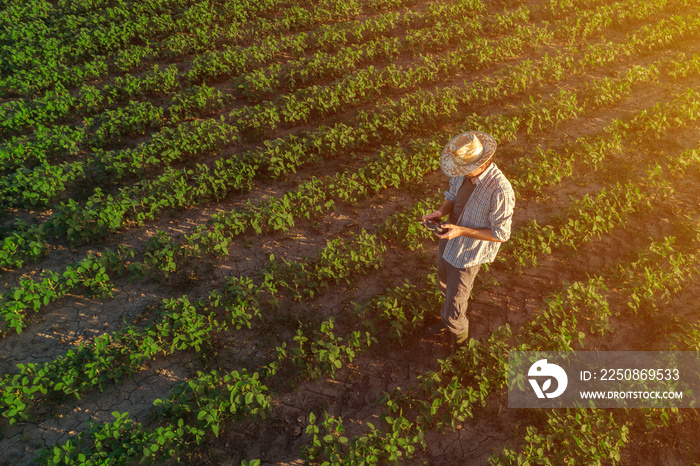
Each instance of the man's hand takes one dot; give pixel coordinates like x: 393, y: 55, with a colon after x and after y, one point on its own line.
x: 436, y: 215
x: 453, y: 231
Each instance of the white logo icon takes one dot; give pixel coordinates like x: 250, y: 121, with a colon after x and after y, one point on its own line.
x: 542, y: 369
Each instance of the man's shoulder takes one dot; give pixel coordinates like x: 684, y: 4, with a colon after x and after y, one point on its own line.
x: 456, y: 181
x: 499, y: 181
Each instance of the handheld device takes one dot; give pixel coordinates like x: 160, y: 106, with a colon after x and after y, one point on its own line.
x: 434, y: 225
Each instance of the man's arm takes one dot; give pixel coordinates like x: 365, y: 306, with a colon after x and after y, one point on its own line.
x: 502, y: 204
x: 454, y: 231
x: 448, y: 204
x: 445, y: 209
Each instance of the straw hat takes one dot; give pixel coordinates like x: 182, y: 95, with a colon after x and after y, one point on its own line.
x: 466, y: 152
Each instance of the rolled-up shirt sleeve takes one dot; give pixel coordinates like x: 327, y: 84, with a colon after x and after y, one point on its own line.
x: 502, y: 205
x: 451, y: 195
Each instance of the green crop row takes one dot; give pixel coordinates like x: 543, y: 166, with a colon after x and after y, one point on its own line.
x: 433, y: 36
x: 598, y: 434
x: 418, y: 111
x: 392, y: 167
x: 404, y: 436
x: 591, y: 218
x: 323, y: 352
x: 593, y: 215
x: 181, y: 402
x: 290, y: 108
x: 55, y: 40
x: 586, y: 219
x: 450, y: 395
x: 329, y: 352
x: 544, y: 168
x: 204, y: 26
x: 45, y: 109
x: 227, y: 175
x: 43, y: 184
x: 176, y: 187
x: 286, y: 221
x: 109, y: 357
x: 30, y: 295
x: 194, y: 408
x: 38, y: 187
x: 47, y: 144
x: 314, y: 351
x: 58, y: 103
x: 46, y: 59
x: 154, y: 20
x: 183, y: 325
x: 236, y: 62
x: 276, y: 213
x: 554, y: 328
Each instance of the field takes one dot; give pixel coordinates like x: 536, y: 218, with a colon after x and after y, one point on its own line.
x: 210, y: 246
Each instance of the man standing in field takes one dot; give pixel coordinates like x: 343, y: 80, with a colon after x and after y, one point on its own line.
x: 480, y: 205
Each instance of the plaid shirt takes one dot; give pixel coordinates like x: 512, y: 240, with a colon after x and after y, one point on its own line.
x: 489, y: 207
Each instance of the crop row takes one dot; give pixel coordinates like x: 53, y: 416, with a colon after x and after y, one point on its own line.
x: 544, y: 168
x: 37, y: 63
x: 202, y: 23
x: 183, y: 325
x: 307, y: 354
x: 112, y: 357
x: 323, y: 65
x: 39, y: 186
x: 58, y: 102
x: 452, y: 394
x: 413, y: 112
x: 325, y: 350
x: 355, y: 40
x: 336, y: 62
x: 228, y: 175
x: 96, y: 34
x: 599, y: 434
x: 583, y: 220
x: 593, y: 215
x: 89, y: 274
x: 220, y: 243
x: 177, y: 44
x: 449, y: 403
x: 165, y: 255
x: 607, y: 209
x: 193, y: 409
x: 43, y: 184
x: 337, y: 40
x: 294, y: 278
x: 48, y: 181
x: 446, y: 398
x: 154, y: 79
x: 203, y: 170
x: 392, y: 167
x: 162, y: 253
x: 326, y: 353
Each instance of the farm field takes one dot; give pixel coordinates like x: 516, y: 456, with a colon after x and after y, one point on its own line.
x: 210, y: 248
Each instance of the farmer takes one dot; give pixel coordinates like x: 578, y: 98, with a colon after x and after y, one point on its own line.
x: 480, y: 205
